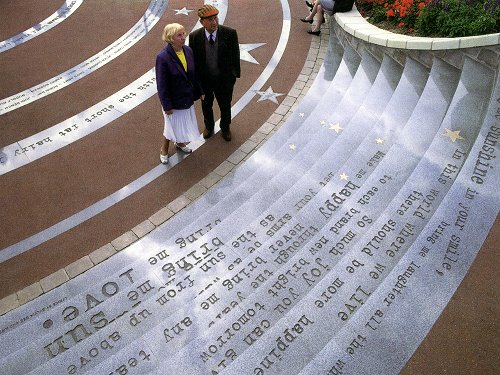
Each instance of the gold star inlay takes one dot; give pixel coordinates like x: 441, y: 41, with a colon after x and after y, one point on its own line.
x: 323, y: 122
x: 292, y: 147
x: 343, y: 176
x: 379, y: 141
x: 302, y: 114
x: 453, y: 135
x: 336, y: 127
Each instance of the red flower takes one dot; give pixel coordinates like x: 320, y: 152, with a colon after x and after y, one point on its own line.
x: 390, y: 13
x: 401, y: 24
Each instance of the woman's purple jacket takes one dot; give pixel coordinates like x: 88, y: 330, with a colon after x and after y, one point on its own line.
x: 177, y: 88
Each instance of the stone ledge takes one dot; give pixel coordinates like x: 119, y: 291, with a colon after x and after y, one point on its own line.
x: 29, y: 293
x: 143, y: 228
x: 178, y: 204
x: 54, y: 280
x: 124, y: 240
x: 353, y: 23
x: 9, y: 303
x: 78, y: 267
x: 101, y: 254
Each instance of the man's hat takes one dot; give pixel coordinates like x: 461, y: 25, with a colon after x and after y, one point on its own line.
x: 207, y: 10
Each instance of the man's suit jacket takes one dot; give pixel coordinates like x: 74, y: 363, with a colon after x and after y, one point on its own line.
x: 177, y: 88
x: 228, y: 54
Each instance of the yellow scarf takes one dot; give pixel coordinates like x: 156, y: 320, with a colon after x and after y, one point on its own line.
x: 182, y: 57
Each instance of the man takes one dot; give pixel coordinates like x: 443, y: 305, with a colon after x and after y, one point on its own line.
x: 217, y: 63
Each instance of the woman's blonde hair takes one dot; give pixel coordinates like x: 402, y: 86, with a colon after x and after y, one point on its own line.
x: 170, y: 30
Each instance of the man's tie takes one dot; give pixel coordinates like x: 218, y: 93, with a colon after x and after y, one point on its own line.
x: 211, y: 40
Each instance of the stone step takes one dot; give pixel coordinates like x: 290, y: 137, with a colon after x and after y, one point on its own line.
x: 420, y: 306
x: 156, y: 333
x: 149, y: 330
x: 56, y: 314
x: 337, y: 91
x: 409, y: 82
x: 180, y: 222
x: 429, y: 139
x: 335, y: 313
x: 203, y: 204
x: 111, y: 314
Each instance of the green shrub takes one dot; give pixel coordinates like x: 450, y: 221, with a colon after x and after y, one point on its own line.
x: 440, y: 18
x: 456, y: 18
x: 428, y: 25
x: 379, y: 14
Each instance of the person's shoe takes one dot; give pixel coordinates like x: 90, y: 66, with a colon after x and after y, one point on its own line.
x: 310, y: 5
x: 314, y: 32
x: 164, y: 159
x: 207, y: 133
x: 226, y: 135
x: 184, y: 148
x: 307, y: 21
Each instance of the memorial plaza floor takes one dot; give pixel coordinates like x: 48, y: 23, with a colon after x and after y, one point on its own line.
x: 361, y: 173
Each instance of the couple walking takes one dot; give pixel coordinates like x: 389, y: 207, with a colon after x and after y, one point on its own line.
x: 206, y: 69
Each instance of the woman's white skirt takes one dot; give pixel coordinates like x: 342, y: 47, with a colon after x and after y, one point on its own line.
x: 181, y: 126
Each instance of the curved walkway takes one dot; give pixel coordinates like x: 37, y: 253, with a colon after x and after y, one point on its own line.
x: 138, y: 31
x: 68, y: 7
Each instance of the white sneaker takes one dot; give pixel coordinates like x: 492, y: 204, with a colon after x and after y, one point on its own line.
x: 164, y: 159
x: 185, y: 149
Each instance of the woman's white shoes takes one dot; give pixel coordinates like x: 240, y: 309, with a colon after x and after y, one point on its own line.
x: 164, y: 159
x: 185, y: 149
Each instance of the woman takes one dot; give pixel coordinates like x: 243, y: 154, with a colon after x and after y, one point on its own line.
x: 316, y: 8
x: 177, y: 90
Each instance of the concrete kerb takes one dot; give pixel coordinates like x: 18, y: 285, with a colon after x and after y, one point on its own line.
x: 349, y: 27
x: 354, y: 23
x: 299, y: 89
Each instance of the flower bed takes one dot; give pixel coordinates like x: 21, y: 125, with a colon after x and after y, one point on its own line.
x: 434, y: 18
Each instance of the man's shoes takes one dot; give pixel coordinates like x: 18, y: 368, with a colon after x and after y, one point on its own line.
x: 307, y: 21
x: 207, y: 133
x: 314, y: 32
x: 164, y: 159
x: 184, y: 148
x: 226, y: 135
